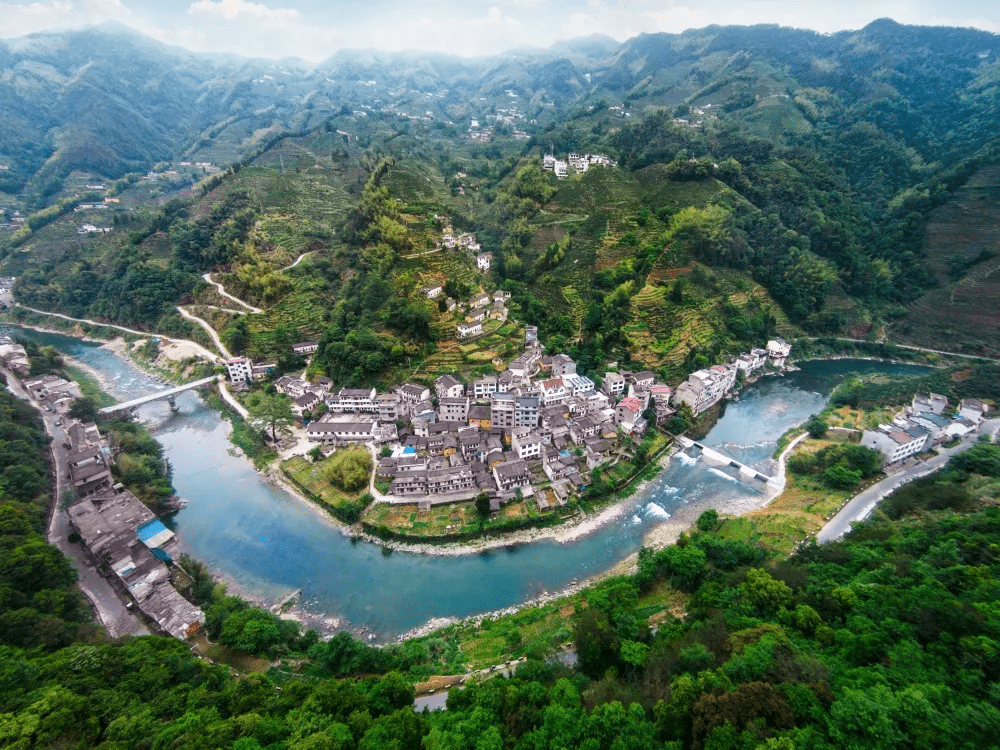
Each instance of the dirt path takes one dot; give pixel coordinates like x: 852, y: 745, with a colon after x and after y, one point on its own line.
x: 297, y: 260
x: 223, y: 309
x: 211, y: 331
x: 227, y: 295
x: 146, y: 334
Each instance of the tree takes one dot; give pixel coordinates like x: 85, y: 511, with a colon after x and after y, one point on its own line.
x: 766, y: 593
x: 349, y: 469
x: 708, y: 521
x: 839, y: 477
x: 84, y: 409
x: 816, y: 426
x: 483, y: 505
x: 271, y: 412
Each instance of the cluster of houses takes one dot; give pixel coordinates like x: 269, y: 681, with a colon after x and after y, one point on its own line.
x: 465, y: 241
x: 92, y: 229
x: 16, y: 221
x: 122, y: 536
x: 14, y: 357
x: 52, y: 393
x: 708, y: 386
x: 481, y: 308
x: 923, y: 425
x: 243, y: 370
x: 697, y: 116
x: 539, y: 421
x: 580, y: 163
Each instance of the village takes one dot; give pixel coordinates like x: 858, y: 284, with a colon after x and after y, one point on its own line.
x: 921, y: 426
x: 120, y: 537
x: 537, y: 425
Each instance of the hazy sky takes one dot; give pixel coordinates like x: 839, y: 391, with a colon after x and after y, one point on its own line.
x: 314, y: 29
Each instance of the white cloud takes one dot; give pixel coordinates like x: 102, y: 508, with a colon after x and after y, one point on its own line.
x: 485, y: 35
x: 55, y: 15
x: 233, y: 9
x: 255, y: 29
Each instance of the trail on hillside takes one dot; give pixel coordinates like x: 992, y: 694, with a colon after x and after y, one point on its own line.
x: 211, y: 331
x: 227, y: 295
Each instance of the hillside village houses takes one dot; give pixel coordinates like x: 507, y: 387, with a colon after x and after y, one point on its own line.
x: 243, y: 370
x: 777, y: 352
x: 580, y: 163
x: 14, y: 357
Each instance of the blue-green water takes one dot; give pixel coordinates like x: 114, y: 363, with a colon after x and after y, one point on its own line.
x: 268, y: 544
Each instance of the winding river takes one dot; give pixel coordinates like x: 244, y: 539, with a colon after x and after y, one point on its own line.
x: 266, y: 543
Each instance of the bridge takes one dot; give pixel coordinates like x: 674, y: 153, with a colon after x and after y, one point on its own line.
x: 168, y: 395
x: 712, y: 457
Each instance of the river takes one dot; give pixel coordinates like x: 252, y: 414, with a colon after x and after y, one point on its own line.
x: 267, y: 544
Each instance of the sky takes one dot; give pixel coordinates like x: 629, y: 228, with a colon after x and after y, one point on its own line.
x: 314, y: 29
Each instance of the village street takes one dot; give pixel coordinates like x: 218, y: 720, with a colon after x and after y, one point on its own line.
x: 865, y: 502
x: 111, y: 611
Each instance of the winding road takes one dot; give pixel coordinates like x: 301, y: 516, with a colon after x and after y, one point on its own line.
x: 227, y: 295
x: 861, y: 506
x: 297, y: 260
x: 211, y: 331
x: 906, y: 346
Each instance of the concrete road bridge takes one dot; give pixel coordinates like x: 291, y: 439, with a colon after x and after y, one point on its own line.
x: 169, y: 395
x: 712, y: 457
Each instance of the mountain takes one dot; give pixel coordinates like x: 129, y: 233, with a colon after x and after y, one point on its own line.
x: 820, y: 161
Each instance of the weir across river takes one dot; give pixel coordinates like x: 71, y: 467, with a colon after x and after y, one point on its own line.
x: 712, y: 457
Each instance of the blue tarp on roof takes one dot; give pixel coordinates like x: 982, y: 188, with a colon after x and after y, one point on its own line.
x: 150, y: 529
x: 159, y: 554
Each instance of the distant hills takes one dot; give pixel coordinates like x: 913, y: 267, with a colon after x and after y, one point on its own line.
x: 108, y: 100
x: 817, y: 164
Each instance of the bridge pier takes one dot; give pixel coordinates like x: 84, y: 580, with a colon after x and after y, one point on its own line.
x: 172, y: 400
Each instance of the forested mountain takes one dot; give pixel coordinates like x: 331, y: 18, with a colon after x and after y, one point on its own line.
x: 805, y: 171
x: 108, y: 100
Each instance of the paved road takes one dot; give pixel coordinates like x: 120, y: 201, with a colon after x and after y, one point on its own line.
x: 864, y: 503
x: 227, y: 295
x: 111, y: 611
x: 231, y: 400
x: 437, y: 700
x: 912, y: 348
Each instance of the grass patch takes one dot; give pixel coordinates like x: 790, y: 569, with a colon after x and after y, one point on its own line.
x: 311, y: 478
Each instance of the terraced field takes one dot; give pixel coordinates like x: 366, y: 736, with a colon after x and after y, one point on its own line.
x: 962, y: 315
